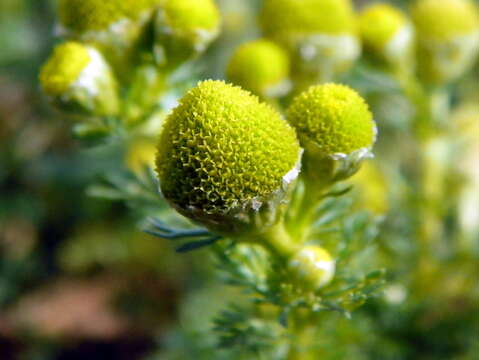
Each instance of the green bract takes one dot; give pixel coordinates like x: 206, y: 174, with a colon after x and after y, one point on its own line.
x: 445, y: 19
x: 258, y: 66
x: 281, y: 19
x: 333, y: 117
x: 94, y: 15
x: 221, y: 149
x: 64, y: 67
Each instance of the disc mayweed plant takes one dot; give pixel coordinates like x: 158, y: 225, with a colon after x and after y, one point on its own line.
x: 256, y: 176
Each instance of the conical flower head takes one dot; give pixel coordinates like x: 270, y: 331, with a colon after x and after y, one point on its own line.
x: 448, y: 38
x: 77, y: 78
x: 334, y: 117
x: 335, y: 128
x: 260, y: 66
x: 222, y: 154
x: 184, y: 29
x: 386, y: 32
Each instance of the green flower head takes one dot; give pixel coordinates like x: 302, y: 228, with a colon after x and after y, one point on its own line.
x: 77, y: 78
x: 383, y: 29
x: 281, y: 19
x: 319, y: 34
x: 259, y: 66
x: 333, y: 117
x: 64, y: 67
x: 184, y: 29
x: 448, y: 38
x: 82, y: 16
x: 445, y: 19
x: 222, y: 150
x: 311, y: 268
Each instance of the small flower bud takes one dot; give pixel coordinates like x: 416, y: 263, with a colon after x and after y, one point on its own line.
x: 387, y: 33
x: 336, y: 129
x: 226, y: 160
x: 260, y: 66
x: 320, y: 34
x: 78, y: 79
x: 448, y: 38
x: 184, y: 29
x: 311, y: 268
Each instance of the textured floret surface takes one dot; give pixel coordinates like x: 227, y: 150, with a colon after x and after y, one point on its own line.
x: 221, y: 148
x: 334, y: 117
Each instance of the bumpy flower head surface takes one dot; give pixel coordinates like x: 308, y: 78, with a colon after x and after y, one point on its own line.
x: 312, y: 267
x: 191, y: 15
x: 221, y: 148
x: 258, y: 65
x: 281, y: 19
x: 379, y: 23
x: 334, y: 117
x: 445, y: 19
x: 64, y: 67
x: 95, y: 15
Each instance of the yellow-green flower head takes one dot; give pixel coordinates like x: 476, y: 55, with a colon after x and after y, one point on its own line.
x: 77, y: 76
x: 445, y: 19
x: 260, y: 66
x: 185, y: 28
x: 221, y: 151
x: 385, y: 31
x: 334, y: 117
x: 81, y: 16
x: 448, y: 37
x: 320, y: 34
x: 281, y: 19
x: 311, y: 268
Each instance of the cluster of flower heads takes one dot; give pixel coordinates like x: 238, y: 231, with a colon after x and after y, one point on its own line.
x: 107, y: 40
x: 229, y: 161
x: 323, y: 39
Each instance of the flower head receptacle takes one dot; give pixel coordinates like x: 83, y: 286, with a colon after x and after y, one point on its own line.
x: 227, y: 161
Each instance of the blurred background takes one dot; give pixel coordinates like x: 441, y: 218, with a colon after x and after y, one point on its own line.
x: 79, y: 280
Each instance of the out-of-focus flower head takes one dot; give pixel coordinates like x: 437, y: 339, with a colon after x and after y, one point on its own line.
x: 387, y: 33
x: 311, y: 268
x: 320, y: 34
x: 115, y: 26
x: 260, y: 66
x: 184, y: 29
x: 224, y: 157
x: 448, y: 38
x: 77, y: 78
